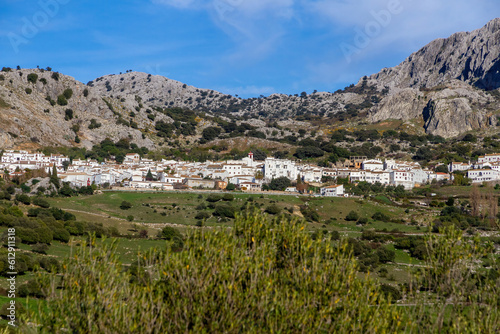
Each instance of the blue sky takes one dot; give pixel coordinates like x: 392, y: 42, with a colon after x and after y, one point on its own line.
x: 245, y: 47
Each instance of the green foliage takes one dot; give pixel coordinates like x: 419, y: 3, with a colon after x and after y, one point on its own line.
x: 228, y: 197
x: 313, y: 285
x: 61, y: 100
x: 225, y: 211
x: 352, y: 216
x: 94, y: 124
x: 212, y: 198
x: 68, y: 93
x: 273, y: 209
x: 28, y: 90
x: 170, y: 233
x: 380, y: 216
x: 41, y: 202
x: 125, y: 205
x: 280, y: 183
x: 68, y: 114
x: 309, y: 152
x: 33, y: 78
x: 25, y: 199
x: 210, y: 133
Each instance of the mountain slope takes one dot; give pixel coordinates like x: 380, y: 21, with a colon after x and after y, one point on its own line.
x: 30, y: 115
x: 448, y: 87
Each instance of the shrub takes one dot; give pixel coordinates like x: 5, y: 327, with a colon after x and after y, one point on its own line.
x: 228, y: 197
x: 68, y: 114
x: 61, y: 100
x: 225, y: 210
x: 202, y: 215
x: 32, y: 77
x: 352, y: 216
x: 380, y: 216
x: 25, y: 199
x: 125, y: 205
x: 28, y: 91
x: 212, y: 198
x: 41, y: 202
x: 170, y: 233
x: 40, y: 248
x: 390, y: 292
x: 94, y: 124
x: 85, y: 92
x: 68, y: 93
x: 273, y: 209
x: 55, y: 76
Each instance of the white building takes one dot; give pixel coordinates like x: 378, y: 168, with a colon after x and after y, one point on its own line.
x: 488, y: 158
x: 333, y: 191
x: 458, y: 166
x: 483, y: 175
x: 374, y: 164
x: 402, y: 178
x: 275, y: 168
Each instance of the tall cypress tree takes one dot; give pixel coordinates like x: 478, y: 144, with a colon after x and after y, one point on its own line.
x: 54, y: 179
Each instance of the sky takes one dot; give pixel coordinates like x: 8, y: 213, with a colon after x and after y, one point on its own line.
x: 239, y: 47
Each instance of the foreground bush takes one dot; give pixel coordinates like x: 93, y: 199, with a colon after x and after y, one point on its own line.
x: 260, y: 276
x: 265, y: 276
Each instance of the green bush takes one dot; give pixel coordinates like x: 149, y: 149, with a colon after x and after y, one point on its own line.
x: 212, y: 198
x: 25, y: 199
x: 33, y: 78
x: 61, y: 100
x: 225, y: 211
x: 41, y: 202
x: 125, y: 205
x: 170, y: 233
x: 202, y: 215
x: 28, y: 91
x: 228, y: 197
x: 273, y: 209
x: 352, y: 216
x: 68, y: 93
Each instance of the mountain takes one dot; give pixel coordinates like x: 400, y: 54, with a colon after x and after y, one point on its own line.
x: 450, y: 85
x: 35, y: 112
x: 447, y: 88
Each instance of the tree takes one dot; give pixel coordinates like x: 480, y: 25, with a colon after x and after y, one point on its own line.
x: 211, y: 133
x: 61, y: 100
x: 32, y: 77
x: 352, y: 216
x: 149, y: 176
x: 280, y: 183
x: 68, y: 93
x: 68, y: 114
x: 66, y: 164
x: 309, y: 152
x: 441, y: 169
x: 54, y: 179
x: 125, y: 205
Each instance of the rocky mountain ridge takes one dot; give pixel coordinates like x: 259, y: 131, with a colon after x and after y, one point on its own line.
x: 448, y: 87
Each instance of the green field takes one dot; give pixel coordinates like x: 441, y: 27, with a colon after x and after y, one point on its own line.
x: 151, y: 210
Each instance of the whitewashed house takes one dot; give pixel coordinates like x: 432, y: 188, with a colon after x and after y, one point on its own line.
x: 483, y: 175
x: 275, y: 168
x: 333, y: 191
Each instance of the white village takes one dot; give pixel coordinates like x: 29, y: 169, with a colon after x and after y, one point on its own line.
x: 246, y: 174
